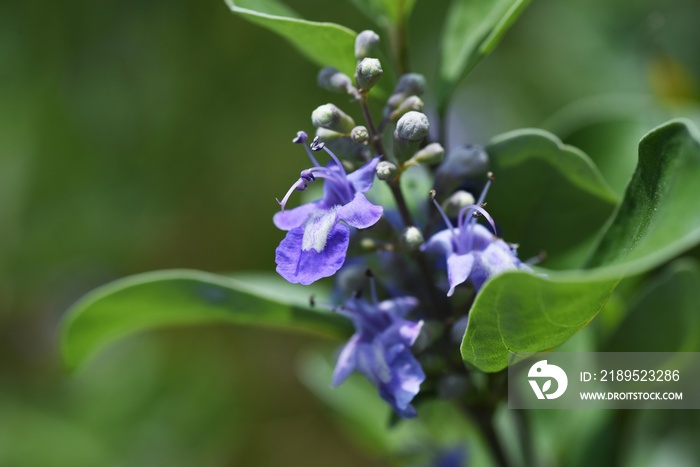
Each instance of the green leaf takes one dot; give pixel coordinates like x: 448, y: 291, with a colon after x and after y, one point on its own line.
x: 326, y: 44
x: 663, y: 316
x: 659, y: 216
x: 518, y: 312
x: 386, y: 13
x: 541, y: 182
x: 472, y: 30
x: 187, y: 297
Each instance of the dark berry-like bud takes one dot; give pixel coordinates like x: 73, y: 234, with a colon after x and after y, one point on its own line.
x: 460, y: 164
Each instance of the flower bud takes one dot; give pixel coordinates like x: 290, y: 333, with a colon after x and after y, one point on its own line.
x: 346, y: 148
x: 460, y: 164
x: 410, y: 131
x: 333, y: 80
x: 411, y: 238
x: 369, y: 70
x: 431, y: 154
x: 359, y: 134
x: 327, y: 136
x: 412, y: 127
x: 454, y: 204
x: 386, y: 170
x: 410, y: 84
x: 332, y: 118
x: 366, y: 44
x: 410, y: 103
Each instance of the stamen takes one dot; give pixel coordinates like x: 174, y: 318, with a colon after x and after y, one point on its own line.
x: 541, y: 256
x: 467, y: 210
x: 301, y: 138
x: 433, y: 193
x: 372, y: 286
x: 482, y: 196
x: 317, y: 145
x: 300, y: 185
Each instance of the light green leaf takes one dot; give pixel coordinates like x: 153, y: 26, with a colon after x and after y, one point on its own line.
x: 540, y: 181
x: 326, y: 44
x: 657, y: 219
x: 472, y: 30
x: 187, y: 297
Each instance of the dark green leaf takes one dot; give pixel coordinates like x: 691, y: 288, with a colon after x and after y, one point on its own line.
x: 326, y: 44
x: 187, y: 297
x: 657, y: 219
x: 663, y: 316
x: 472, y: 29
x: 541, y: 182
x: 386, y: 13
x: 659, y: 216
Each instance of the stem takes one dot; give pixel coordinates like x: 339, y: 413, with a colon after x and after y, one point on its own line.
x: 398, y: 39
x: 484, y: 418
x: 402, y: 206
x: 442, y: 125
x: 524, y: 433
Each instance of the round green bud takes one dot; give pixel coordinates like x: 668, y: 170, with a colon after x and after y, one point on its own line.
x: 411, y: 238
x: 410, y: 103
x: 360, y: 134
x: 330, y: 117
x: 369, y: 70
x: 386, y: 170
x: 412, y: 127
x: 333, y: 80
x: 366, y: 44
x: 431, y: 154
x: 456, y: 202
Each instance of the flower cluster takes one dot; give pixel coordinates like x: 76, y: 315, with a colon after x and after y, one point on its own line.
x: 320, y: 233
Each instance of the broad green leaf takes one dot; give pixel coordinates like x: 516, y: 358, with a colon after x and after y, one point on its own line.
x: 326, y: 44
x: 472, y: 29
x: 663, y: 316
x: 658, y: 219
x: 385, y: 13
x: 523, y: 313
x: 659, y: 216
x: 541, y: 182
x: 187, y: 297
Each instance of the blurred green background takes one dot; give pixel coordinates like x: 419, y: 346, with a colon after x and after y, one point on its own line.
x: 142, y: 135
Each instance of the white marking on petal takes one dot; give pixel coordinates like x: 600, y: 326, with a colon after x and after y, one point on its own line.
x: 317, y: 229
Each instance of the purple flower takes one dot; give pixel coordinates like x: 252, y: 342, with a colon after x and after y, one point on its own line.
x: 380, y: 349
x: 472, y: 251
x: 319, y: 232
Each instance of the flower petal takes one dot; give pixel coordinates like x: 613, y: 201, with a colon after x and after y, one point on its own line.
x: 407, y: 376
x: 292, y: 218
x: 360, y: 213
x: 442, y: 243
x: 398, y: 306
x: 363, y: 178
x: 308, y: 266
x: 458, y: 269
x: 347, y: 361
